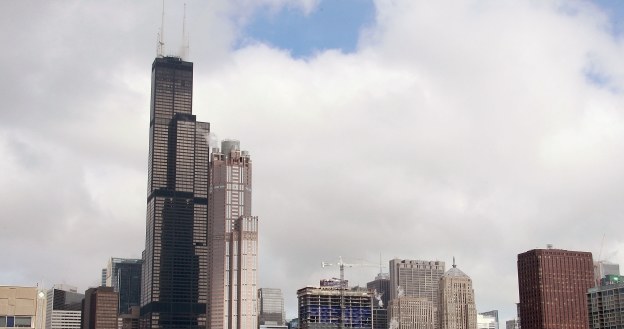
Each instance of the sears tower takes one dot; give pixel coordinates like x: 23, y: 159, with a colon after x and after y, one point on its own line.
x: 174, y: 291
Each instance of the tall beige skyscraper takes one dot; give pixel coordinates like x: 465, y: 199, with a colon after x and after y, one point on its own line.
x: 456, y: 303
x: 233, y: 240
x: 411, y: 313
x: 416, y: 278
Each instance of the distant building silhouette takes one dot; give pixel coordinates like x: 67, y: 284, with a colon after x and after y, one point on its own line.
x: 553, y: 285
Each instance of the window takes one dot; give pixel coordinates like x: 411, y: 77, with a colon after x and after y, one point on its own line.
x: 3, y: 321
x: 23, y: 321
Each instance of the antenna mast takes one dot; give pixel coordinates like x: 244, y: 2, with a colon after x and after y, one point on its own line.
x: 184, y: 49
x: 161, y: 34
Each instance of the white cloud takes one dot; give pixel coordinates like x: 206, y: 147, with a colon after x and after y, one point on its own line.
x: 464, y: 129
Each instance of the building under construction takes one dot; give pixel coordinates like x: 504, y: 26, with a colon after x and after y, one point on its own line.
x: 320, y: 308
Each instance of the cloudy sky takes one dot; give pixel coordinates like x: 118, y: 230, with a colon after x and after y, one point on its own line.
x: 403, y: 128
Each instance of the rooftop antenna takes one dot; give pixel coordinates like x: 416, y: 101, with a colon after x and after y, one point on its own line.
x: 161, y: 34
x: 184, y: 49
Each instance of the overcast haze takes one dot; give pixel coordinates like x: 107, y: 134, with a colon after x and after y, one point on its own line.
x: 476, y: 129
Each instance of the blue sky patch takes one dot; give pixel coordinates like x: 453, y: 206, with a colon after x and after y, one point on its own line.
x: 334, y: 24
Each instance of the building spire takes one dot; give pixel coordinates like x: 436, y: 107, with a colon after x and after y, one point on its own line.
x: 160, y: 47
x: 454, y: 265
x: 184, y: 48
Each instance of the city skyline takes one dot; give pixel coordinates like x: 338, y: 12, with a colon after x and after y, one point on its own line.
x: 476, y: 130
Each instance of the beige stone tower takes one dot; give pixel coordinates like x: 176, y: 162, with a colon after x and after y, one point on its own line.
x: 456, y: 303
x: 233, y: 241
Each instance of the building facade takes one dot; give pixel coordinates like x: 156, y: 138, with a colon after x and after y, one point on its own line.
x: 320, y: 308
x: 174, y: 290
x: 553, y: 284
x: 63, y: 307
x: 381, y: 289
x: 606, y: 303
x: 124, y: 275
x: 100, y: 308
x: 233, y: 240
x: 486, y: 321
x: 456, y: 302
x: 271, y: 307
x: 20, y: 307
x: 411, y: 313
x: 416, y: 278
x: 512, y: 324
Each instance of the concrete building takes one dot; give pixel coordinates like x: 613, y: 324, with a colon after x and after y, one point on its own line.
x: 486, y: 321
x: 63, y: 307
x: 411, y: 313
x: 233, y: 240
x: 415, y: 278
x: 175, y: 259
x: 271, y: 307
x: 491, y: 314
x: 456, y: 302
x: 320, y: 308
x: 603, y: 268
x: 100, y: 308
x: 124, y: 275
x: 553, y: 284
x: 606, y: 303
x: 20, y: 307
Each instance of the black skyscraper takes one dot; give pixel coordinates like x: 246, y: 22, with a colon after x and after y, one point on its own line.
x: 174, y: 292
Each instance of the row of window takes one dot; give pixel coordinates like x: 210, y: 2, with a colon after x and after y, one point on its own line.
x: 16, y: 321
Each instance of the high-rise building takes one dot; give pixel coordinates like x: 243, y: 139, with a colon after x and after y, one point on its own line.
x: 124, y: 275
x: 380, y: 317
x: 512, y: 324
x: 553, y: 284
x: 416, y: 278
x: 233, y: 240
x: 174, y: 290
x: 271, y: 307
x: 20, y: 307
x: 320, y: 308
x: 603, y: 268
x: 381, y: 287
x: 63, y: 307
x: 606, y: 303
x: 99, y: 310
x: 411, y: 313
x: 456, y: 302
x: 488, y: 319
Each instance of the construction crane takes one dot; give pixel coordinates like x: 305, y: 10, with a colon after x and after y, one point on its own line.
x: 343, y: 286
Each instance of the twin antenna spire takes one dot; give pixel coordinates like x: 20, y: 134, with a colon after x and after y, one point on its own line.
x: 160, y: 46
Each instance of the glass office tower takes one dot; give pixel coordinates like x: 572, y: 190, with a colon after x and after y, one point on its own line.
x: 175, y: 279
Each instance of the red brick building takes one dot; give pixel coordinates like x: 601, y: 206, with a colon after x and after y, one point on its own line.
x: 553, y: 286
